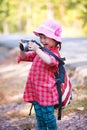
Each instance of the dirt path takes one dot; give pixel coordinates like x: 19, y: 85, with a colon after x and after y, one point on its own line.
x: 73, y: 121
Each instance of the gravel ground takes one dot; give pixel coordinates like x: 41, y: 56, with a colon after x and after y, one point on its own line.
x: 74, y: 121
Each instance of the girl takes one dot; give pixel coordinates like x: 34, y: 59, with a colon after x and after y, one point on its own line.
x: 41, y: 87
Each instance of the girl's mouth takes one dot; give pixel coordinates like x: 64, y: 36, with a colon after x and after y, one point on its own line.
x: 45, y: 44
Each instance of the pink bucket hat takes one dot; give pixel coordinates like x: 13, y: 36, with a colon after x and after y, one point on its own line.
x: 51, y: 29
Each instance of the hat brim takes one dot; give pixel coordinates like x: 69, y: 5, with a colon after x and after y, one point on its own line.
x: 47, y: 33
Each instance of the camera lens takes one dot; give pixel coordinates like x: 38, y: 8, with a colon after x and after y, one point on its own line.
x: 21, y: 47
x: 24, y: 46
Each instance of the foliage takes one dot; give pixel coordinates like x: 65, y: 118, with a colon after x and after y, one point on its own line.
x: 23, y: 16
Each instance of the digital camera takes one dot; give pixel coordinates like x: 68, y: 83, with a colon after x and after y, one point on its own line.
x: 24, y: 45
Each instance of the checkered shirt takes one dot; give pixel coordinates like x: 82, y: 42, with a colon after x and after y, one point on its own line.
x: 40, y: 84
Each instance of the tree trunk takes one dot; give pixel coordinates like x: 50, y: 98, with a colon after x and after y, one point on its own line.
x: 50, y: 14
x: 5, y: 27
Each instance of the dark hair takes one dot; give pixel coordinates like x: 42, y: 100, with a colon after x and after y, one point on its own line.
x: 59, y: 45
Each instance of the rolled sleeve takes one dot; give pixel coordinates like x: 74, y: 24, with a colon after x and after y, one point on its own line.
x: 28, y: 57
x: 53, y: 62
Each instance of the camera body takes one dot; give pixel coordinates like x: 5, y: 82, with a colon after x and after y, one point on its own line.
x: 24, y: 45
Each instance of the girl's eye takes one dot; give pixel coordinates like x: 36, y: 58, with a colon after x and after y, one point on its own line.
x: 42, y: 37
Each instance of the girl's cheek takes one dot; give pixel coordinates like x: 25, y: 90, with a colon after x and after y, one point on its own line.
x: 42, y: 41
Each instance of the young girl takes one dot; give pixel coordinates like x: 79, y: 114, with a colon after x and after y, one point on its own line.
x: 41, y: 87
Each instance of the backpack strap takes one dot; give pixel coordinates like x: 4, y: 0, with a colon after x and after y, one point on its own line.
x: 58, y: 82
x: 30, y: 109
x: 61, y: 60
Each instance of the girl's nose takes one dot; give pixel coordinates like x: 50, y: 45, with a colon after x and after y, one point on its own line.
x: 43, y: 41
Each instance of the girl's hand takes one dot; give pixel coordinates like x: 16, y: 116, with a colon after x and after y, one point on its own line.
x: 33, y: 46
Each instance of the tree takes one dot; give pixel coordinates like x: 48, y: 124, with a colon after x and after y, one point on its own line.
x: 24, y: 16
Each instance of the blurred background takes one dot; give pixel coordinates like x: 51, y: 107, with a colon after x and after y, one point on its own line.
x: 18, y: 19
x: 24, y: 16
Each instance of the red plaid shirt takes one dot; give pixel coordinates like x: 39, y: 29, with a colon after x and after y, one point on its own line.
x: 40, y: 85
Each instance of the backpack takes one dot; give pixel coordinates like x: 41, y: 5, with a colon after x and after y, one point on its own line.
x: 63, y: 83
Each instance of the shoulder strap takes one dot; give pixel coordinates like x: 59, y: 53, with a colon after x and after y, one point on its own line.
x: 61, y: 60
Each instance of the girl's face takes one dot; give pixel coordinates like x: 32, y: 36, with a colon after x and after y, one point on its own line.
x: 46, y: 41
